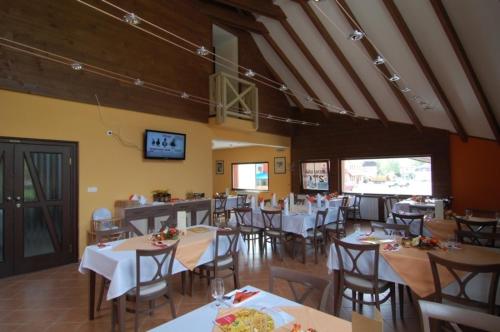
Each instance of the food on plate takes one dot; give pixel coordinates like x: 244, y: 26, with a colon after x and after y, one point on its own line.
x: 391, y: 247
x: 298, y: 328
x: 243, y: 295
x: 245, y: 320
x: 424, y: 242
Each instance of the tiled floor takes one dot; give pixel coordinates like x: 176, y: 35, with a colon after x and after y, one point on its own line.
x: 56, y: 299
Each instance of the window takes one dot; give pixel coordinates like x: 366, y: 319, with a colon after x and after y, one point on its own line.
x: 250, y: 176
x: 395, y: 176
x: 315, y: 175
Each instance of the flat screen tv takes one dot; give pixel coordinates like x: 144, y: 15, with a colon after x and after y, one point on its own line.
x: 164, y: 145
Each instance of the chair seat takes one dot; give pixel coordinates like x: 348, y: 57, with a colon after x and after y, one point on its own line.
x: 249, y: 229
x: 149, y: 289
x: 363, y: 283
x: 333, y: 226
x: 221, y: 263
x: 273, y: 233
x: 310, y: 233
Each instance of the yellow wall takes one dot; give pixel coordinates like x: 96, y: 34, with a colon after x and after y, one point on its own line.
x: 115, y: 169
x: 278, y: 183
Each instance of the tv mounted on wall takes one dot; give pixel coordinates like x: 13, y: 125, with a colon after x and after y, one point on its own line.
x: 164, y: 145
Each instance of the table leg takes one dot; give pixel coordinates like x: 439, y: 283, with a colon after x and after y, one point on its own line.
x: 337, y: 299
x: 121, y: 313
x: 91, y: 294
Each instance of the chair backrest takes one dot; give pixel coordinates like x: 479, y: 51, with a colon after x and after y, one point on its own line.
x: 457, y: 270
x: 101, y: 214
x: 477, y: 227
x: 483, y: 213
x: 244, y: 216
x: 389, y: 229
x: 345, y: 201
x: 231, y: 249
x: 241, y: 200
x: 319, y: 222
x: 478, y: 238
x: 408, y: 219
x: 457, y: 315
x: 220, y: 203
x: 164, y: 259
x: 273, y: 219
x: 300, y: 201
x: 389, y: 202
x: 357, y: 201
x: 348, y: 255
x: 308, y: 285
x: 115, y: 234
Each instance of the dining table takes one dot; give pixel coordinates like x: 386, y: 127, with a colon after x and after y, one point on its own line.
x: 287, y: 312
x: 116, y: 261
x: 411, y: 266
x: 410, y: 205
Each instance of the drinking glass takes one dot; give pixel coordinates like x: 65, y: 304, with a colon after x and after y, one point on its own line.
x: 452, y: 242
x: 357, y: 228
x: 468, y: 213
x: 217, y: 287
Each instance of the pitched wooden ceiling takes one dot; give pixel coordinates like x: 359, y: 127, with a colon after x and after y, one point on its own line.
x: 446, y: 51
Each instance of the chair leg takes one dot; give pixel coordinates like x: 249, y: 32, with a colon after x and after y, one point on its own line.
x: 393, y: 302
x: 136, y: 314
x: 190, y: 275
x: 353, y: 295
x: 151, y: 307
x: 377, y: 301
x: 410, y: 297
x: 316, y: 252
x: 101, y: 294
x: 401, y: 294
x: 304, y: 250
x: 281, y: 249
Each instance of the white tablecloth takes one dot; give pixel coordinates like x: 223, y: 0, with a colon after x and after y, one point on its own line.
x: 297, y: 223
x: 201, y: 319
x: 119, y: 266
x: 409, y: 205
x: 476, y: 288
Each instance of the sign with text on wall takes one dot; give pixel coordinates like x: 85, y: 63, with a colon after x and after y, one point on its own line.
x: 315, y: 175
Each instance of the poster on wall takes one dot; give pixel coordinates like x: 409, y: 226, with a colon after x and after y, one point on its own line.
x: 315, y: 175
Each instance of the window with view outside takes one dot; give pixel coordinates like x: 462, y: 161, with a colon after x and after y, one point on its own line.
x: 315, y: 175
x: 250, y: 176
x: 393, y: 176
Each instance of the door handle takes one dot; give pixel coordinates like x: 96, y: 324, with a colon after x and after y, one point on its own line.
x: 8, y: 199
x: 18, y: 205
x: 18, y: 198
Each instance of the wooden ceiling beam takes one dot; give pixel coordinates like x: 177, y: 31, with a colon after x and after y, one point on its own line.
x: 261, y: 7
x: 425, y: 67
x: 343, y: 60
x: 459, y: 50
x: 370, y: 49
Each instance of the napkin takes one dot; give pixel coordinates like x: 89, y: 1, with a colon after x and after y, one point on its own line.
x: 273, y: 201
x: 262, y: 204
x: 181, y: 220
x: 253, y: 202
x: 292, y: 199
x: 286, y: 207
x: 318, y: 200
x: 309, y: 207
x: 439, y: 209
x: 362, y: 323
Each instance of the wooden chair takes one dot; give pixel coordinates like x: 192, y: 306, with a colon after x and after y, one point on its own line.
x: 359, y: 281
x: 355, y: 208
x: 456, y: 315
x: 220, y: 209
x: 483, y: 213
x: 225, y: 260
x: 273, y: 231
x: 244, y: 222
x: 115, y: 234
x: 345, y: 201
x: 477, y: 227
x: 148, y: 289
x: 479, y: 238
x: 309, y: 284
x: 389, y: 202
x: 408, y: 219
x: 390, y: 229
x: 241, y: 200
x: 457, y: 269
x: 338, y: 227
x: 315, y: 236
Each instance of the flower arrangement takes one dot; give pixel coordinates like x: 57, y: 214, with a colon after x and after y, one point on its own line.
x: 260, y: 198
x: 311, y: 199
x: 170, y: 233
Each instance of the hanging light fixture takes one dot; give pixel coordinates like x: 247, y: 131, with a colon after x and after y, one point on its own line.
x: 249, y: 73
x: 405, y: 90
x: 76, y: 66
x: 394, y: 78
x: 356, y: 35
x: 202, y: 51
x: 185, y: 95
x: 283, y: 87
x: 131, y: 19
x: 379, y: 61
x: 138, y: 82
x: 343, y: 112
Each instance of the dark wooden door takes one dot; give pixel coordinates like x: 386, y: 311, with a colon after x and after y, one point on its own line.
x: 6, y: 209
x: 40, y: 223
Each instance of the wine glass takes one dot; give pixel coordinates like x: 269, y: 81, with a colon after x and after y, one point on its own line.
x: 357, y: 228
x: 468, y: 213
x: 217, y: 287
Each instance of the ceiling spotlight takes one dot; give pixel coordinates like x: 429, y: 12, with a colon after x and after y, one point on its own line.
x: 202, y: 51
x: 138, y: 82
x: 131, y: 19
x: 406, y: 90
x: 220, y: 105
x: 378, y: 60
x: 317, y: 124
x: 309, y: 99
x: 288, y: 120
x: 269, y: 116
x: 356, y: 35
x: 394, y: 78
x: 76, y: 66
x: 184, y: 95
x: 343, y: 112
x: 283, y: 87
x: 304, y: 123
x: 249, y: 73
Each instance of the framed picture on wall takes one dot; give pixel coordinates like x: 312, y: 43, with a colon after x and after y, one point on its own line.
x: 279, y: 165
x: 219, y: 167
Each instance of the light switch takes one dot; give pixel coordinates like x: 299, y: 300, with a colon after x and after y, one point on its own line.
x: 92, y: 189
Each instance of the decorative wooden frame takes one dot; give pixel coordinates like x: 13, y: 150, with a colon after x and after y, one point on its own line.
x: 279, y: 169
x: 219, y: 167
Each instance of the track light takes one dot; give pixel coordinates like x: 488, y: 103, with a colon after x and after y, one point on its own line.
x: 249, y: 73
x: 309, y: 99
x: 343, y: 112
x: 288, y: 120
x: 405, y: 90
x: 202, y: 51
x: 138, y: 82
x: 76, y: 66
x: 356, y: 35
x: 283, y: 87
x: 378, y: 61
x: 394, y: 78
x: 184, y: 95
x: 131, y: 19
